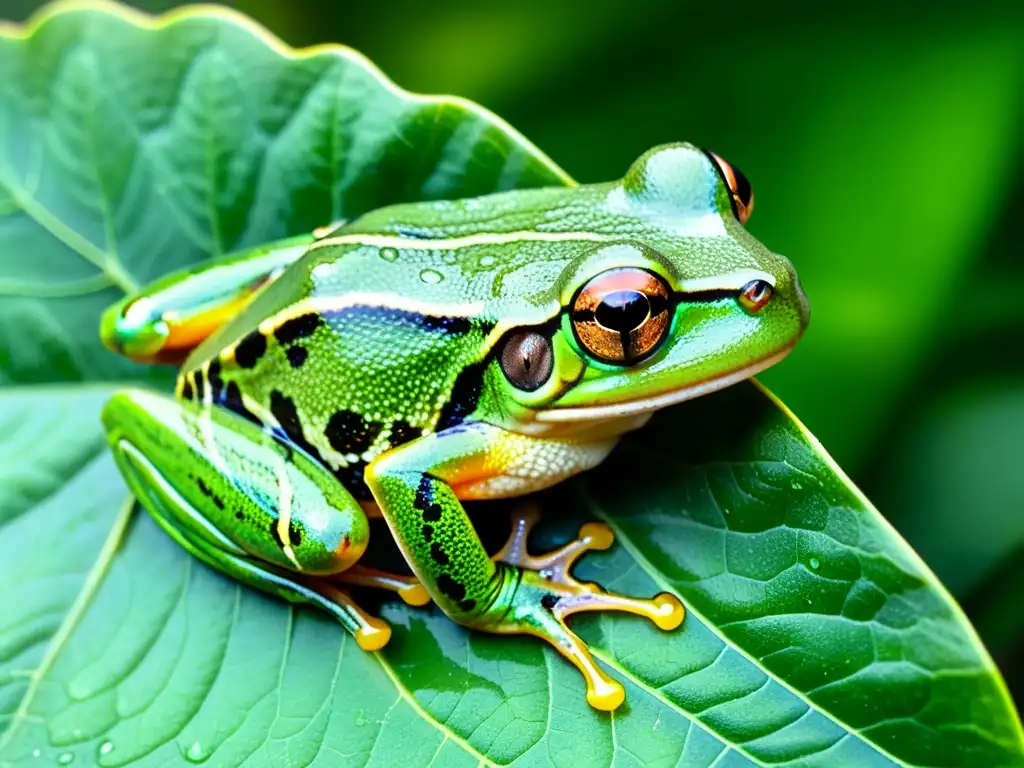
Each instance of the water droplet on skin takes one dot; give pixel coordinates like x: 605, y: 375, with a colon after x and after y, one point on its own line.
x: 106, y: 747
x: 815, y: 564
x: 65, y: 758
x: 486, y: 261
x: 431, y: 276
x: 389, y: 254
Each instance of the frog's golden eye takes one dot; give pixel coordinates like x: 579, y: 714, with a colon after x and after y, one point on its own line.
x: 740, y: 191
x: 622, y: 315
x: 754, y: 295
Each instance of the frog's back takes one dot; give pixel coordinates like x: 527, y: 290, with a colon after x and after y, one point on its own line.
x: 381, y: 332
x: 343, y: 374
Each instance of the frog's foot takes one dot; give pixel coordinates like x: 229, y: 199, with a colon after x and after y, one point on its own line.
x: 547, y: 594
x: 408, y: 588
x: 371, y: 633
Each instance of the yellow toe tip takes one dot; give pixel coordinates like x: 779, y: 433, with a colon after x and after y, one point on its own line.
x: 669, y: 611
x: 374, y: 636
x: 597, y: 535
x: 606, y: 696
x: 415, y: 595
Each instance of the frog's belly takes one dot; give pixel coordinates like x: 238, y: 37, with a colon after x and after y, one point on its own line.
x: 519, y: 464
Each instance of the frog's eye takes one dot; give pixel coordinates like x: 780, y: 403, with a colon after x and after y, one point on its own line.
x: 527, y: 360
x: 754, y: 295
x: 740, y: 191
x: 622, y: 315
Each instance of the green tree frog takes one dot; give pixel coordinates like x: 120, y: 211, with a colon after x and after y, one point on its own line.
x: 430, y: 353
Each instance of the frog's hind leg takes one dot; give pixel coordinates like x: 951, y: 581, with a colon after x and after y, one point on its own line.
x: 371, y: 633
x: 167, y: 319
x: 239, y: 500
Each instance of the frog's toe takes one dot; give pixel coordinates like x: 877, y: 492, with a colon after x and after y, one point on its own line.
x: 408, y: 588
x: 374, y: 636
x: 555, y: 566
x: 371, y: 633
x: 603, y: 692
x: 664, y: 610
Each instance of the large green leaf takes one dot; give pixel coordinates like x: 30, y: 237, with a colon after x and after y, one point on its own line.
x: 130, y: 147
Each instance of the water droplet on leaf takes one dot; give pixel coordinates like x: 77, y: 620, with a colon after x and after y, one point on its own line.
x: 65, y: 758
x: 815, y: 563
x: 106, y: 747
x: 195, y: 753
x: 431, y: 276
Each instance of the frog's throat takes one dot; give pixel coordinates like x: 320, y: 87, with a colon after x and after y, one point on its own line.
x: 648, y: 404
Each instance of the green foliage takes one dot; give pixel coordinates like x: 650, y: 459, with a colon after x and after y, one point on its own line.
x: 816, y: 637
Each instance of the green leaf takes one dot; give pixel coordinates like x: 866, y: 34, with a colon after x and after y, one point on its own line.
x: 130, y: 147
x: 962, y: 452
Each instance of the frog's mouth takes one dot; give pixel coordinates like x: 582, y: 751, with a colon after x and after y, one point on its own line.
x: 657, y: 402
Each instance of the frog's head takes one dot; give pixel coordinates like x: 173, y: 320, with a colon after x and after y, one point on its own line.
x: 687, y: 303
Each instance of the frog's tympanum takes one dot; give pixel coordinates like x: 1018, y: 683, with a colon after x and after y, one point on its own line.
x: 425, y: 354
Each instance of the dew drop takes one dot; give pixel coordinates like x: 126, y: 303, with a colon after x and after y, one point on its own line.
x: 106, y: 747
x: 815, y: 564
x: 389, y: 254
x: 431, y: 276
x: 195, y: 753
x: 65, y: 758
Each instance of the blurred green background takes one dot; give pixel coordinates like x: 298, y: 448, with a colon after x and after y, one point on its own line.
x: 885, y: 149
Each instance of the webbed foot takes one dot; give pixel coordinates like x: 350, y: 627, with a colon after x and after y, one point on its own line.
x: 547, y: 594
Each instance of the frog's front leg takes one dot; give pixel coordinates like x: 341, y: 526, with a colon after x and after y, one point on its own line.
x: 417, y: 488
x: 167, y: 319
x: 243, y: 502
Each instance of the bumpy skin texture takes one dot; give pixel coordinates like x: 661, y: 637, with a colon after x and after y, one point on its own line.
x: 382, y: 357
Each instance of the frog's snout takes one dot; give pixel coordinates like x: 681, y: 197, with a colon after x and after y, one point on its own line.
x: 802, y: 303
